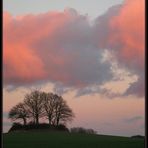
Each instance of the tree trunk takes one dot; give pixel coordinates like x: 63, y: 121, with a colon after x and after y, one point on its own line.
x: 49, y: 119
x: 25, y: 122
x: 37, y: 119
x: 57, y: 121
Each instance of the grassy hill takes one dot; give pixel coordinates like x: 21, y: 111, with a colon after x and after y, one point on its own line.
x: 67, y: 140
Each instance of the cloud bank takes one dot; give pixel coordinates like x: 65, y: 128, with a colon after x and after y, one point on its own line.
x: 65, y: 48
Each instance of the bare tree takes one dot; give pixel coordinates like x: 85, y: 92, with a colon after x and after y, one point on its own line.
x: 39, y: 104
x: 62, y: 112
x: 34, y: 105
x: 19, y: 112
x: 49, y: 100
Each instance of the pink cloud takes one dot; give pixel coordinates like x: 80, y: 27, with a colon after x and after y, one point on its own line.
x: 124, y: 37
x: 129, y: 31
x: 47, y: 47
x: 129, y: 35
x: 63, y: 47
x: 20, y: 61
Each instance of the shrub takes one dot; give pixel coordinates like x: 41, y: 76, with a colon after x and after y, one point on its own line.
x: 38, y: 127
x: 82, y: 130
x: 16, y: 127
x: 62, y: 127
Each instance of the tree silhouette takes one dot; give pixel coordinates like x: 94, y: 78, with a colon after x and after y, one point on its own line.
x: 19, y: 112
x: 34, y: 104
x: 49, y: 100
x: 56, y: 109
x: 62, y: 112
x: 38, y: 104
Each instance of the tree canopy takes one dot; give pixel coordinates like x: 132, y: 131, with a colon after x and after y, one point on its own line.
x: 19, y: 112
x: 39, y: 104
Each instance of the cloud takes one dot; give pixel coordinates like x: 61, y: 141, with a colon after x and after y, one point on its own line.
x: 124, y: 37
x: 65, y: 49
x: 137, y: 87
x: 134, y: 119
x: 128, y: 35
x: 122, y: 30
x: 129, y: 38
x: 54, y: 47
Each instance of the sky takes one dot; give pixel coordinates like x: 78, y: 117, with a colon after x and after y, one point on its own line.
x: 92, y: 53
x: 93, y: 8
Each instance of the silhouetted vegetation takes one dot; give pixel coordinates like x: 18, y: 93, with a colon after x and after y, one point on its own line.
x: 17, y: 127
x: 51, y: 107
x: 138, y: 136
x: 56, y: 109
x: 19, y: 112
x: 34, y: 105
x: 38, y: 105
x: 82, y: 130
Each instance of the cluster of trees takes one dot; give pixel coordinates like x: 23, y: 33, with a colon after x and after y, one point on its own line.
x: 82, y: 130
x: 39, y: 104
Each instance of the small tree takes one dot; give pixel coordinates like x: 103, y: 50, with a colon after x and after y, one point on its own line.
x: 19, y: 112
x: 34, y: 105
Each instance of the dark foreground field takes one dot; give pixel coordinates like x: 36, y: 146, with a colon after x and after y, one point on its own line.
x: 67, y: 140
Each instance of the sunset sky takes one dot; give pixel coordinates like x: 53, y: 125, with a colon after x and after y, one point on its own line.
x: 90, y: 52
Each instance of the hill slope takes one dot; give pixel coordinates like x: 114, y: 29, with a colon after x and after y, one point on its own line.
x: 67, y: 140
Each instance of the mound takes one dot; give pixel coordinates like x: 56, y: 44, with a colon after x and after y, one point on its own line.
x: 16, y: 127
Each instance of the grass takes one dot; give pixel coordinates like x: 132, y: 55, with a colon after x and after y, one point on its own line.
x: 67, y: 140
